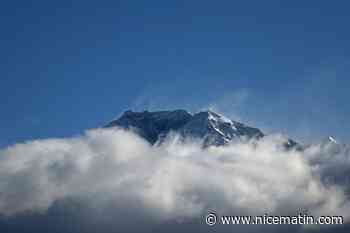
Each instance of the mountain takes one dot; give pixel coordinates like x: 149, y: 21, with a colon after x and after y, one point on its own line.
x: 332, y: 145
x: 213, y: 128
x: 217, y: 130
x: 152, y: 125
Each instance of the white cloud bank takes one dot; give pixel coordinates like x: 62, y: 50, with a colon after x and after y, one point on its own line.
x: 174, y: 180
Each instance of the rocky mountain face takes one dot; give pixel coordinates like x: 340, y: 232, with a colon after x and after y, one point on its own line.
x: 214, y: 129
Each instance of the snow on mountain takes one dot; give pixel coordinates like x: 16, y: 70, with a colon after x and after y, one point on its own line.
x: 331, y: 145
x: 331, y: 139
x: 212, y: 128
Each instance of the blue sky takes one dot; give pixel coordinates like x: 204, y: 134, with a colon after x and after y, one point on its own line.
x: 67, y: 66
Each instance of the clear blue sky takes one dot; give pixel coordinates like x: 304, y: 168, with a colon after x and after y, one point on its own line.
x: 67, y: 66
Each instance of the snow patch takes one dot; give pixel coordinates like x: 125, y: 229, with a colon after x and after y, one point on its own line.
x: 330, y: 138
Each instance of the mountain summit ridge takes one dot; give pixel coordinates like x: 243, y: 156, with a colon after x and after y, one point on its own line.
x: 213, y: 128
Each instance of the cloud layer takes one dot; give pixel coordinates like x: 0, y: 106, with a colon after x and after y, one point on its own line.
x: 176, y: 181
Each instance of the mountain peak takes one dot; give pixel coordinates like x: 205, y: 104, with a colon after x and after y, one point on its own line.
x: 212, y: 128
x: 155, y: 114
x: 332, y: 140
x: 329, y: 141
x: 151, y: 125
x: 214, y: 117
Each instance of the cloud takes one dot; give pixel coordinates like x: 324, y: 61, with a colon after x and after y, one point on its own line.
x: 231, y: 103
x: 114, y: 170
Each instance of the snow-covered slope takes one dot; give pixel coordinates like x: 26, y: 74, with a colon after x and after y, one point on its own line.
x: 215, y: 129
x: 212, y: 128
